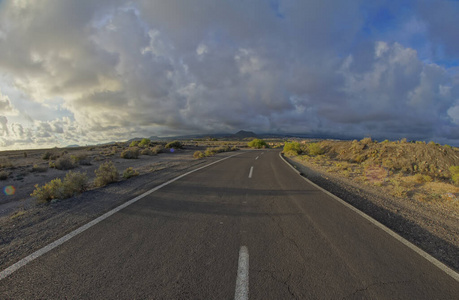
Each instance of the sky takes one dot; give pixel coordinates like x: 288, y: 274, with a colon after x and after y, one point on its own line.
x: 82, y: 72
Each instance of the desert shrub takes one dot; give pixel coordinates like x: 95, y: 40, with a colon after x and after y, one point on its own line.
x: 5, y: 163
x: 174, y: 144
x: 107, y: 173
x: 46, y: 155
x: 209, y: 152
x: 65, y: 163
x: 315, y: 149
x: 130, y: 172
x: 74, y: 183
x: 51, y: 190
x: 447, y: 146
x: 198, y: 155
x: 158, y: 149
x: 257, y: 144
x: 213, y: 150
x: 114, y: 149
x: 454, y: 170
x: 292, y: 148
x: 134, y: 143
x: 81, y: 159
x: 130, y: 153
x: 419, y: 178
x: 367, y: 140
x: 147, y: 151
x: 144, y: 143
x: 4, y: 175
x: 359, y: 158
x: 40, y: 169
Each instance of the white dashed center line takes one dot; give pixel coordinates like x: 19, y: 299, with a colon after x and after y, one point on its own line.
x: 251, y: 171
x: 256, y: 157
x: 242, y: 280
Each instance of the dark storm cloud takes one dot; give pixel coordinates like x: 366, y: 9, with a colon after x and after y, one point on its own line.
x: 161, y: 67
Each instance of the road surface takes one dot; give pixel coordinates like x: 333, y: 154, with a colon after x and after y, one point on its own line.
x: 248, y: 227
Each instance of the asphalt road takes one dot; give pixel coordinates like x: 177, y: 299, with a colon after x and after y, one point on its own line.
x: 184, y: 240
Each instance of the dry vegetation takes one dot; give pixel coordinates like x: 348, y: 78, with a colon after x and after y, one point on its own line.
x: 425, y: 172
x: 211, y: 151
x: 48, y: 175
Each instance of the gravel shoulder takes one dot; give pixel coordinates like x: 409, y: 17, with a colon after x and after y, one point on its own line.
x: 40, y: 224
x: 431, y: 228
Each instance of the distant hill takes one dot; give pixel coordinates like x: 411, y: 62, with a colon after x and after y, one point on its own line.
x: 244, y: 134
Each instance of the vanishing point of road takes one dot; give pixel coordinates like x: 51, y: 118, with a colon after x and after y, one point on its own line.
x: 247, y: 227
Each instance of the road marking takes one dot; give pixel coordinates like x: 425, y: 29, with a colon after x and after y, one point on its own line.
x: 256, y: 157
x: 13, y: 268
x: 398, y: 237
x: 242, y: 280
x: 251, y: 171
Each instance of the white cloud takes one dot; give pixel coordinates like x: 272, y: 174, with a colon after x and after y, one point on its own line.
x: 84, y: 72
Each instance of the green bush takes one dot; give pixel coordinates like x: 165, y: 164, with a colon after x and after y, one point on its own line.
x: 134, y: 144
x: 198, y: 155
x: 454, y: 170
x: 315, y: 149
x: 130, y: 172
x: 175, y: 145
x: 292, y: 148
x: 144, y: 143
x: 107, y: 173
x: 74, y: 183
x: 130, y: 153
x: 64, y: 163
x: 51, y: 190
x: 257, y: 144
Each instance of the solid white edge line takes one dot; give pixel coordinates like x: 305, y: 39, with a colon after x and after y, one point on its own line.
x: 13, y: 268
x: 395, y: 235
x: 250, y: 172
x: 242, y: 280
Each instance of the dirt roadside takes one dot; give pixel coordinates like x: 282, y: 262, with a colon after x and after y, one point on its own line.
x: 44, y: 223
x: 432, y: 229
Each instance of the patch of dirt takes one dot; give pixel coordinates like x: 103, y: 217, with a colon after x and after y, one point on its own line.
x: 430, y: 227
x: 26, y: 226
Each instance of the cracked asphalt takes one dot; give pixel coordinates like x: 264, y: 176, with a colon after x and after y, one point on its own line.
x: 182, y: 242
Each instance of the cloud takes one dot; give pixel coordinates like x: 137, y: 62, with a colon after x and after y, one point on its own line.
x: 5, y: 105
x: 90, y: 72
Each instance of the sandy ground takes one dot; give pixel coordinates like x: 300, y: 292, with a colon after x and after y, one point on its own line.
x: 433, y: 229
